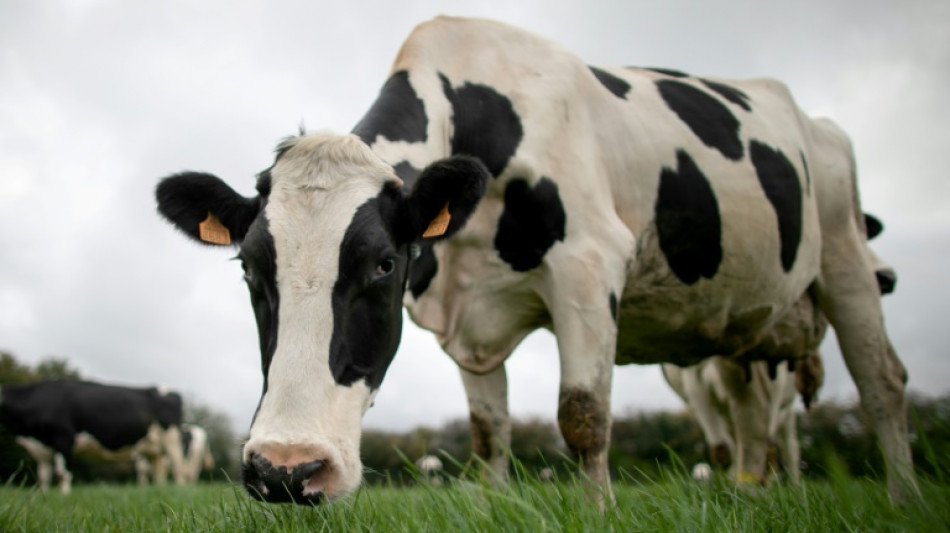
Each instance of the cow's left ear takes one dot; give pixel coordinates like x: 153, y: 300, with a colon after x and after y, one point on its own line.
x: 444, y: 196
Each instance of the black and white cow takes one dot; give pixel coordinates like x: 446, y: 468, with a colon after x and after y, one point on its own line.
x: 643, y: 216
x: 58, y: 420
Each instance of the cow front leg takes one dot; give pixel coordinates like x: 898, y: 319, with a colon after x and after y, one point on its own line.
x: 490, y: 422
x: 586, y: 347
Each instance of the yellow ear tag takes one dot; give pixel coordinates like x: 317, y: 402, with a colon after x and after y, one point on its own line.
x: 213, y: 231
x: 439, y: 224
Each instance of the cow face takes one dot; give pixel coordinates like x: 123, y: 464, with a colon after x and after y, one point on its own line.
x: 325, y: 252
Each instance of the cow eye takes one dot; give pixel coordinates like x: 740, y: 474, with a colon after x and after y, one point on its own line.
x: 385, y: 267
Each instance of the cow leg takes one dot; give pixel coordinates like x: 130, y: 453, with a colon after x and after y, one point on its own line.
x: 788, y: 445
x: 44, y: 473
x: 142, y: 469
x: 848, y: 294
x: 702, y: 401
x: 172, y: 455
x: 490, y: 423
x: 159, y: 469
x: 63, y: 473
x: 587, y: 338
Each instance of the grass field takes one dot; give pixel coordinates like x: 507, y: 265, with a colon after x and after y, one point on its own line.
x: 674, y: 503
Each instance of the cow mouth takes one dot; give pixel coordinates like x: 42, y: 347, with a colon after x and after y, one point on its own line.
x: 278, y: 484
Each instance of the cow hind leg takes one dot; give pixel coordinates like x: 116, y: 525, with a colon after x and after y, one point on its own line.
x: 849, y: 296
x: 490, y: 424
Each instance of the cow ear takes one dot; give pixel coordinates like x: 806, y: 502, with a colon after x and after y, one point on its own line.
x: 443, y: 197
x: 205, y: 208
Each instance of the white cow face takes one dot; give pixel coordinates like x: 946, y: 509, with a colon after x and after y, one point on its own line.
x: 324, y: 247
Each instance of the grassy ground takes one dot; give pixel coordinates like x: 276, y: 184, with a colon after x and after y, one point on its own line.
x: 670, y: 504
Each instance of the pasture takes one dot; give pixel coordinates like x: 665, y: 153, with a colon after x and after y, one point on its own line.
x: 672, y: 502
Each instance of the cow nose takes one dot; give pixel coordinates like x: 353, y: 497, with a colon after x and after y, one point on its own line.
x: 301, y: 483
x: 886, y: 280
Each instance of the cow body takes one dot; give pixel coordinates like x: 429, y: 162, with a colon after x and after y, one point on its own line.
x: 642, y: 216
x: 56, y: 421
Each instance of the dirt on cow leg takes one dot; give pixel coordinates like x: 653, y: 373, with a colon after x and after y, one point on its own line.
x: 584, y: 421
x: 486, y: 446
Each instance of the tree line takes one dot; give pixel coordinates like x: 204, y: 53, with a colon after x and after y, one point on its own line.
x: 834, y: 436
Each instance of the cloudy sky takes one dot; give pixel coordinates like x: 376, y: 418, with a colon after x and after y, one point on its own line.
x: 99, y: 99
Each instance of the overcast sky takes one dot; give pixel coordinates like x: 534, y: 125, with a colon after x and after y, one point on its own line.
x: 99, y: 99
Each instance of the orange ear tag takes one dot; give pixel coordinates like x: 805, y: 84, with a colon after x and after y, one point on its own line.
x: 213, y: 231
x: 439, y: 224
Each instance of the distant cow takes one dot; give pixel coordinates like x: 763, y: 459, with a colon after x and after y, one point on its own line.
x: 744, y: 408
x: 196, y: 455
x: 498, y: 185
x: 58, y: 420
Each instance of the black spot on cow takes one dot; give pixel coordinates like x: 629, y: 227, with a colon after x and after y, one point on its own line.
x: 397, y: 114
x: 688, y: 222
x: 363, y: 300
x: 706, y: 116
x: 667, y: 72
x: 612, y: 301
x: 485, y: 124
x: 730, y: 93
x: 617, y: 86
x: 782, y: 188
x: 532, y: 221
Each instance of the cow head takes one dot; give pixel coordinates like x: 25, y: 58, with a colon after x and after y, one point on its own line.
x: 325, y: 252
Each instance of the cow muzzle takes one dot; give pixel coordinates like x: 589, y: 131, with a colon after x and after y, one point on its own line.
x: 301, y: 474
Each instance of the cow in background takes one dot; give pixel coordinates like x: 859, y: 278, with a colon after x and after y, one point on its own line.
x: 55, y: 421
x: 196, y: 455
x: 745, y: 407
x: 498, y: 185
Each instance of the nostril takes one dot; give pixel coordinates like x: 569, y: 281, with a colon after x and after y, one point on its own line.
x: 304, y: 471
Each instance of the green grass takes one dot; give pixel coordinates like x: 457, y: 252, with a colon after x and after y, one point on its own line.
x: 670, y: 504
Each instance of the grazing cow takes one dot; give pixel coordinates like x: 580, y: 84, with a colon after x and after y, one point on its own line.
x: 742, y: 411
x: 745, y: 407
x: 195, y: 451
x: 58, y: 420
x: 498, y: 185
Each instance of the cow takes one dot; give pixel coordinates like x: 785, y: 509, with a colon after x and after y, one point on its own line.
x: 497, y: 185
x: 58, y: 420
x: 195, y: 452
x: 746, y: 406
